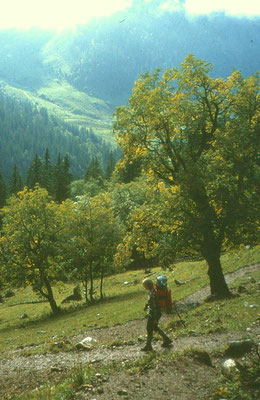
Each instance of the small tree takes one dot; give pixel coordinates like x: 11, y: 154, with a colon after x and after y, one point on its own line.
x: 94, y: 236
x: 129, y: 200
x: 34, y: 173
x: 33, y: 237
x: 110, y: 165
x: 94, y: 171
x: 199, y: 136
x: 62, y: 178
x: 47, y: 173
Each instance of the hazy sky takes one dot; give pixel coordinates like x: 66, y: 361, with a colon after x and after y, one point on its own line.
x: 67, y: 13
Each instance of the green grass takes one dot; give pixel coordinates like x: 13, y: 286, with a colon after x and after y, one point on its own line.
x: 122, y: 303
x: 236, y: 314
x: 72, y: 106
x: 195, y: 273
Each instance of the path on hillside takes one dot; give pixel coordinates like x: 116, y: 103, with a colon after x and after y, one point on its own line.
x: 18, y: 371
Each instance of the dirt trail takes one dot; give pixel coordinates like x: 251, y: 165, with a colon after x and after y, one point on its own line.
x: 175, y: 381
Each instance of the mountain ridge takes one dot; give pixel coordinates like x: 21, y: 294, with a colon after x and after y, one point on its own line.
x: 81, y: 75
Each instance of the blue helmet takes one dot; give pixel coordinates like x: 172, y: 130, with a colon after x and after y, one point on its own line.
x: 162, y: 281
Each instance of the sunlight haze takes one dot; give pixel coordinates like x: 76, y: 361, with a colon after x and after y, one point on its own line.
x: 230, y: 7
x: 60, y: 14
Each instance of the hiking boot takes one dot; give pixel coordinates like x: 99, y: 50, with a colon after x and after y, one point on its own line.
x: 147, y: 348
x: 167, y: 343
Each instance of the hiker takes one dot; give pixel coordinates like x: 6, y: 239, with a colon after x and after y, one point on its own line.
x: 164, y: 294
x: 154, y: 314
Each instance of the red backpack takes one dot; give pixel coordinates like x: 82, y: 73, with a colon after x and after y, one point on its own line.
x: 164, y: 295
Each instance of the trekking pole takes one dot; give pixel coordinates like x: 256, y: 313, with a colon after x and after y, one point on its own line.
x: 177, y: 312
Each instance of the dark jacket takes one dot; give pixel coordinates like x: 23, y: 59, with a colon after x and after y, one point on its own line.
x: 153, y: 307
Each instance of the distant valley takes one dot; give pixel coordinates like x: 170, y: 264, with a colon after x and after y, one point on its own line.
x: 80, y: 76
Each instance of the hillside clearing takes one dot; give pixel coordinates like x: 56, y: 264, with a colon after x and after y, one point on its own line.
x: 176, y: 379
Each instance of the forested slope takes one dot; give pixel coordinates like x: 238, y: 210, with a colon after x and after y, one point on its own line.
x: 26, y: 131
x: 80, y: 75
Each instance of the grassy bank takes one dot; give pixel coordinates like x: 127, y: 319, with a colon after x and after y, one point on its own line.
x: 124, y: 300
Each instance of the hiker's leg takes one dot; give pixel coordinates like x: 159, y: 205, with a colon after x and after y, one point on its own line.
x: 149, y: 328
x: 166, y: 340
x: 160, y: 331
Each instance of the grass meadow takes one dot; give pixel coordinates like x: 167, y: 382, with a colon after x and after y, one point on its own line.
x: 124, y: 298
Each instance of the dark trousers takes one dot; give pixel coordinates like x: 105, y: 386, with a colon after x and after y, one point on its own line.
x: 152, y: 326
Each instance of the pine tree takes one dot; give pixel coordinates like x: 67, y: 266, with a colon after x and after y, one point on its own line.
x: 34, y: 174
x: 47, y: 173
x: 62, y: 178
x: 68, y: 177
x: 110, y: 165
x: 94, y: 171
x: 15, y: 183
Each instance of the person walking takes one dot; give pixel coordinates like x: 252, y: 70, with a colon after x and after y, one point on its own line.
x: 154, y: 314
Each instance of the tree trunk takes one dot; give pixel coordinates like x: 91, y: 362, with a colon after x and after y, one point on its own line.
x: 50, y: 297
x: 85, y: 285
x: 101, y: 280
x: 218, y: 286
x: 91, y: 290
x: 211, y: 246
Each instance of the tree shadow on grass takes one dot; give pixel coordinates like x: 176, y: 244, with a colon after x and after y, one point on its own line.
x: 69, y: 310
